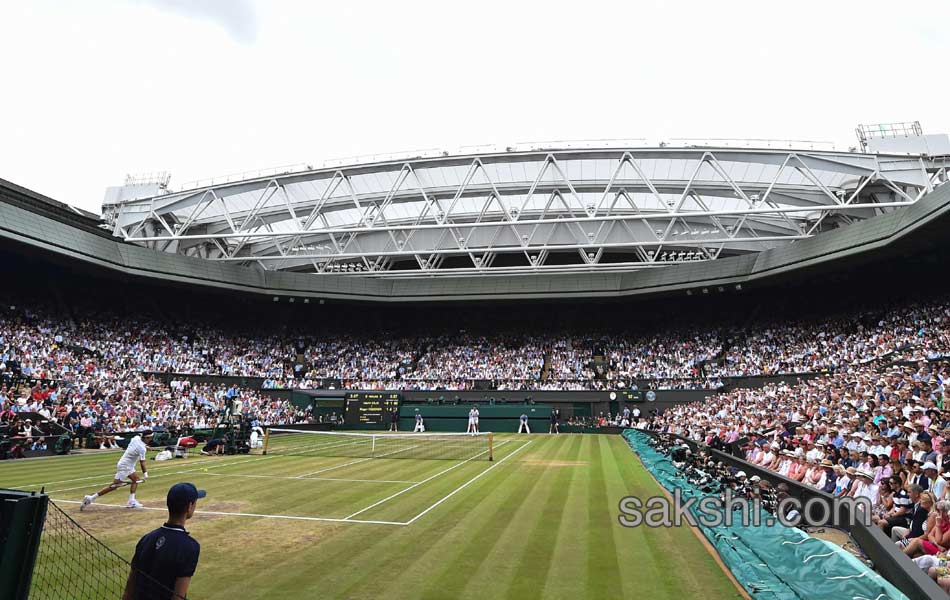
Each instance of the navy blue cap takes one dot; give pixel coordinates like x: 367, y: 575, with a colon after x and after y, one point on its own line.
x: 181, y: 495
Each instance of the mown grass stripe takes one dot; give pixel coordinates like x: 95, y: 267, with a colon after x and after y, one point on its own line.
x: 603, y: 569
x: 520, y: 531
x: 546, y: 508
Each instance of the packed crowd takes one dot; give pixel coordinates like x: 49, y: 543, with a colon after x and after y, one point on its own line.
x: 684, y: 359
x: 881, y: 433
x: 93, y: 378
x: 38, y: 344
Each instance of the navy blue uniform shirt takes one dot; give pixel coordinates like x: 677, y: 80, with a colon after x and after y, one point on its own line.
x: 164, y: 554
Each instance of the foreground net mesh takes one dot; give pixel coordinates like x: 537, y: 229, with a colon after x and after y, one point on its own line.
x: 73, y: 564
x: 450, y: 446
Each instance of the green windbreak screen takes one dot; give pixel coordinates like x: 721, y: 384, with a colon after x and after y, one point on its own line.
x: 772, y: 562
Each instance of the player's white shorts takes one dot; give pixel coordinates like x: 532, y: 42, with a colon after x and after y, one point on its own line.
x: 123, y: 472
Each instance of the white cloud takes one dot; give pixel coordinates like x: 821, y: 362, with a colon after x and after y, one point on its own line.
x: 96, y: 90
x: 237, y: 17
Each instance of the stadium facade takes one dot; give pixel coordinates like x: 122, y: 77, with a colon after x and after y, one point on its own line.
x: 559, y: 222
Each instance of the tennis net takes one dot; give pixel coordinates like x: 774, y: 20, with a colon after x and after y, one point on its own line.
x: 449, y: 446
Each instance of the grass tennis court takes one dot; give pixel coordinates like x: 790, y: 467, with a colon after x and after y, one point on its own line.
x: 538, y: 521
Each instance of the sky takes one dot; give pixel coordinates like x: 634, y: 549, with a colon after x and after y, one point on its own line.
x: 97, y: 90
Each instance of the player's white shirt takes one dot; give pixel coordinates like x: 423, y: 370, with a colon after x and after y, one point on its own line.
x: 134, y: 452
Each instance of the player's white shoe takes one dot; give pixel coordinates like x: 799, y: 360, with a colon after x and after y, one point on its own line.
x: 134, y: 504
x: 86, y: 501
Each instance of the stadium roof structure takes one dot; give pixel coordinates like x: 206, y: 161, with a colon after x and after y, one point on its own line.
x: 40, y: 229
x: 515, y: 212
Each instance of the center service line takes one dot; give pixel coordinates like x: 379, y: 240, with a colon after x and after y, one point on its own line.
x: 464, y: 485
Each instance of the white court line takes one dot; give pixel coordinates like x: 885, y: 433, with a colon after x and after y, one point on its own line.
x: 309, y: 478
x: 464, y: 485
x: 305, y: 475
x: 157, y: 467
x: 252, y: 515
x: 165, y: 474
x: 417, y: 484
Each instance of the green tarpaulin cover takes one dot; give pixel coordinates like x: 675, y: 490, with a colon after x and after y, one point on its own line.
x: 772, y: 562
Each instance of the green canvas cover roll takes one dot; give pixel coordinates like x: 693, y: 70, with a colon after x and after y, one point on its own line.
x: 772, y: 562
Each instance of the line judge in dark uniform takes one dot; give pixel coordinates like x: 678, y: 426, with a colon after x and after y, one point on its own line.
x: 166, y: 558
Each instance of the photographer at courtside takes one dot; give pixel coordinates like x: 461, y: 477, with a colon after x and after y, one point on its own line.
x: 165, y: 559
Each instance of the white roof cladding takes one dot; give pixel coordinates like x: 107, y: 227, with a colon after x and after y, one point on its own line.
x: 550, y: 210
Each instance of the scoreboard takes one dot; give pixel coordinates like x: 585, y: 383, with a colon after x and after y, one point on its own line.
x: 632, y: 396
x: 370, y: 410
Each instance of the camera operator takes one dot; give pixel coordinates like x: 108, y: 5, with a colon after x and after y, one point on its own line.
x: 790, y: 514
x: 768, y: 496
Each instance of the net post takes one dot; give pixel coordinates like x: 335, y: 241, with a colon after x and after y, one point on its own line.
x: 491, y: 446
x: 266, y: 439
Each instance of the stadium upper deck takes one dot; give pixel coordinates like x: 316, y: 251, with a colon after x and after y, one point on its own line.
x: 524, y: 223
x: 523, y: 212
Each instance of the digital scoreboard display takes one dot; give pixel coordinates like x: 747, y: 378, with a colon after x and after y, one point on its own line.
x: 632, y: 396
x: 370, y: 409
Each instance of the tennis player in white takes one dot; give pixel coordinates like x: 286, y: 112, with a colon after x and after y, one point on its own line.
x: 125, y: 469
x: 471, y: 421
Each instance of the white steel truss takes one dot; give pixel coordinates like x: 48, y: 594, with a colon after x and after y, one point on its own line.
x: 556, y: 211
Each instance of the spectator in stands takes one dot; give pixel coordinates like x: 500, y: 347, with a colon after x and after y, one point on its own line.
x: 918, y: 515
x: 899, y: 512
x: 937, y: 538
